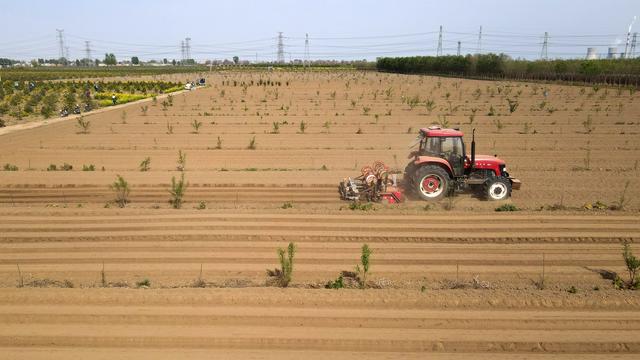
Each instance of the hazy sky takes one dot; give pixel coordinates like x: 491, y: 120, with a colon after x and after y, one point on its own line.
x: 337, y: 29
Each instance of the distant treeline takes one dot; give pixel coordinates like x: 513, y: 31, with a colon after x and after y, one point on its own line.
x: 610, y: 71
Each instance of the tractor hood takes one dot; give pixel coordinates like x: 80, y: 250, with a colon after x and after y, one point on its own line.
x: 488, y: 160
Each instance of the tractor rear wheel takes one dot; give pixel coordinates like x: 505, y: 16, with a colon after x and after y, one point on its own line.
x: 497, y: 188
x: 431, y: 182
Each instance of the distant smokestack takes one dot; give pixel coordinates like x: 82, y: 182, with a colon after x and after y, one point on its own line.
x: 612, y: 53
x: 592, y: 53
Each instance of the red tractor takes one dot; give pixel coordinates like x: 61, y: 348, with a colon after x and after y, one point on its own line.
x: 440, y: 166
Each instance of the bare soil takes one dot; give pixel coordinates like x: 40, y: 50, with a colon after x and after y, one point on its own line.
x: 456, y: 283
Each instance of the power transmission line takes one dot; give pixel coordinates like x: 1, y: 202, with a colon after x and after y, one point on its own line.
x: 61, y: 42
x: 88, y: 49
x: 280, y: 49
x: 544, y: 55
x: 439, y: 51
x: 306, y: 50
x: 187, y: 47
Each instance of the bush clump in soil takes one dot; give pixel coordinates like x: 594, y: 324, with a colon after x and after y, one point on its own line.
x: 507, y: 207
x: 282, y: 277
x: 632, y: 264
x: 121, y: 188
x: 178, y: 188
x: 361, y: 206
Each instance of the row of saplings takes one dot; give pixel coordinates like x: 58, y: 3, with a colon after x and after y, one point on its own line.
x: 347, y: 279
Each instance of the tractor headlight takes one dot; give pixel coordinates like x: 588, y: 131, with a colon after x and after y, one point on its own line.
x: 504, y: 169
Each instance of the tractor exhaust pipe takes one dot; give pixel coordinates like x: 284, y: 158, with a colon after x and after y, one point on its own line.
x: 473, y: 148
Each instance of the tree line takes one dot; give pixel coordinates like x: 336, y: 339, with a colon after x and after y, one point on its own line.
x: 616, y: 71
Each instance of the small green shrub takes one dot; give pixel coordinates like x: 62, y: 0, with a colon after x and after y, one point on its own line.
x: 252, y: 144
x: 195, y: 124
x: 361, y: 206
x: 284, y: 275
x: 145, y: 165
x: 121, y: 188
x: 83, y: 125
x: 363, y: 269
x: 182, y: 161
x: 572, y: 290
x: 335, y: 284
x: 202, y: 205
x: 144, y: 282
x: 507, y: 207
x: 89, y: 167
x: 10, y: 167
x: 633, y: 266
x: 177, y: 190
x: 287, y: 205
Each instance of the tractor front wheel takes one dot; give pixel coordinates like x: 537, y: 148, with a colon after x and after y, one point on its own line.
x: 498, y: 188
x: 431, y: 183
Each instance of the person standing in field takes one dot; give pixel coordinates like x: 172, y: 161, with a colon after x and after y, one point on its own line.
x: 114, y: 98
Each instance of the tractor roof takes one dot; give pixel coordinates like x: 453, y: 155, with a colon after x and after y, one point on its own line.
x: 436, y: 131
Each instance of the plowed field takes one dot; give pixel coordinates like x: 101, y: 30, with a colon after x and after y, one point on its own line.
x: 456, y: 279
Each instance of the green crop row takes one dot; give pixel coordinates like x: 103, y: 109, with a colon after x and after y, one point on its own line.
x: 21, y: 99
x: 55, y: 73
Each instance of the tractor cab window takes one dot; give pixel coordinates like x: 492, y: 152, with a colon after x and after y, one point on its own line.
x: 431, y: 146
x: 452, y: 146
x: 443, y: 147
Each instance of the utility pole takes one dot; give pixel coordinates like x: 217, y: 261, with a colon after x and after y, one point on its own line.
x: 545, y: 45
x: 280, y: 59
x: 66, y: 53
x: 182, y: 52
x: 87, y: 49
x: 306, y: 50
x: 626, y: 46
x: 479, y: 49
x: 187, y: 48
x: 61, y: 42
x: 633, y: 45
x: 459, y: 43
x: 439, y: 51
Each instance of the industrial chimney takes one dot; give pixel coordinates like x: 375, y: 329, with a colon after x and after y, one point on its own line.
x: 592, y: 54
